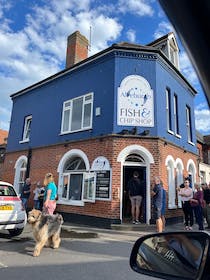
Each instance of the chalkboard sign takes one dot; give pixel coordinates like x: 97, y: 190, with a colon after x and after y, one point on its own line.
x: 103, y: 184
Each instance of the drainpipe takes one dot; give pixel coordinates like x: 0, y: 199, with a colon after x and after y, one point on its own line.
x: 29, y: 156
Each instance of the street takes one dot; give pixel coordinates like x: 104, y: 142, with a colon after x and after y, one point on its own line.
x: 103, y: 257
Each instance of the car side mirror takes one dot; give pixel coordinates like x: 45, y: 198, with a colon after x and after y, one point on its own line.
x: 172, y: 255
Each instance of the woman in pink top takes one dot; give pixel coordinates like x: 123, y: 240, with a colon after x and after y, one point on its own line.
x: 186, y: 194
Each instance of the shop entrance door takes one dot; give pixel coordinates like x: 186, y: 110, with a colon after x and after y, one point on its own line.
x: 126, y: 208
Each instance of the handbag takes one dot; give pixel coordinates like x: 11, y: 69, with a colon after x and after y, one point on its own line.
x: 194, y: 202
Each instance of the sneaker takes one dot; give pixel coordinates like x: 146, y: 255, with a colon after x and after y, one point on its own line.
x: 137, y: 222
x: 134, y: 222
x: 187, y: 228
x: 190, y: 228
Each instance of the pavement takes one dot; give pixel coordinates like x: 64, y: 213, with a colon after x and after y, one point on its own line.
x: 117, y: 232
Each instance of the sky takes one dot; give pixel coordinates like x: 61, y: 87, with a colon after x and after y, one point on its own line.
x: 33, y: 38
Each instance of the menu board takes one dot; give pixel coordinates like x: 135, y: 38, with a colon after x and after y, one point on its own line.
x: 103, y: 184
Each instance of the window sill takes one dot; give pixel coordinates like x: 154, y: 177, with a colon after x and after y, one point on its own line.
x: 24, y: 141
x: 178, y: 136
x: 75, y: 131
x: 191, y: 143
x: 172, y: 207
x: 170, y: 131
x: 71, y: 203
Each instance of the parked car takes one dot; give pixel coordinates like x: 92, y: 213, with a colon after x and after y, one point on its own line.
x: 173, y: 255
x: 12, y: 213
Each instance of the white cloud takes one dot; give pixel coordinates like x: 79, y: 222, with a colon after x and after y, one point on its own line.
x: 4, y: 6
x: 13, y: 45
x: 4, y: 122
x: 187, y: 69
x: 202, y: 113
x: 38, y: 50
x: 202, y: 117
x: 163, y: 29
x: 73, y: 5
x: 138, y: 7
x: 131, y: 35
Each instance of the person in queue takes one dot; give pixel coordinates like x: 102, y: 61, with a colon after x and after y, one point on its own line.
x: 186, y: 194
x: 50, y: 194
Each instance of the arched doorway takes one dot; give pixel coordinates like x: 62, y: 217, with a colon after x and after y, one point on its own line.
x: 136, y: 157
x: 133, y: 162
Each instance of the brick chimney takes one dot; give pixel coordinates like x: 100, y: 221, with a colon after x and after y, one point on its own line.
x: 77, y: 49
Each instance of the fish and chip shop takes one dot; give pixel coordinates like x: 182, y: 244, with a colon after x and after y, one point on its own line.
x: 126, y: 108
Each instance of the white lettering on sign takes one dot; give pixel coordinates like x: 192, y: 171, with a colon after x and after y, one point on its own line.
x: 135, y: 102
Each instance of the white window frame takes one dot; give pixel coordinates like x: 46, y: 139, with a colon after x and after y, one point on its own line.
x: 171, y: 187
x: 27, y: 129
x: 179, y: 175
x: 89, y: 187
x: 173, y: 54
x: 168, y: 111
x: 67, y: 175
x: 88, y: 192
x: 20, y: 168
x: 188, y: 124
x: 68, y: 108
x: 176, y: 119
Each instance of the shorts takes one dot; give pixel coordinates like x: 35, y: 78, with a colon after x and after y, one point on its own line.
x: 157, y: 212
x: 50, y: 207
x: 136, y: 200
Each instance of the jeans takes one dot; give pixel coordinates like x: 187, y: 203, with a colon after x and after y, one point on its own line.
x: 206, y: 211
x: 36, y: 204
x: 198, y: 211
x: 188, y: 213
x: 24, y: 201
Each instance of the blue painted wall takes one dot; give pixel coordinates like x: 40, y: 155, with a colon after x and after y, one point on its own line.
x: 167, y: 79
x: 45, y: 104
x: 102, y: 77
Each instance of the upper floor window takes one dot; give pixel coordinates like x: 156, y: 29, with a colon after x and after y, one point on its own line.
x: 168, y: 109
x: 173, y: 56
x: 189, y: 124
x: 173, y: 51
x: 77, y: 114
x: 176, y: 119
x: 27, y: 128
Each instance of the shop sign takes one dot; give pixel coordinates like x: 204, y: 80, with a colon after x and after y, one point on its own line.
x: 135, y: 102
x: 101, y: 167
x: 103, y: 184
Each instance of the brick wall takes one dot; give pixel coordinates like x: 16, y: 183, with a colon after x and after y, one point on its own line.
x: 47, y: 159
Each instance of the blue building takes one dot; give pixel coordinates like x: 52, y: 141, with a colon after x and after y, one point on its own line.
x: 126, y: 108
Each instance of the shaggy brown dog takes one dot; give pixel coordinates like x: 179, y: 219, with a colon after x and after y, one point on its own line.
x: 46, y: 230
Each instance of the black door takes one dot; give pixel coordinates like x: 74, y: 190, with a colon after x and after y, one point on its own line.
x: 126, y: 208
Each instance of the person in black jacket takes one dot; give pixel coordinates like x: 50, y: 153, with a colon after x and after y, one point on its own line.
x: 26, y: 192
x: 135, y: 189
